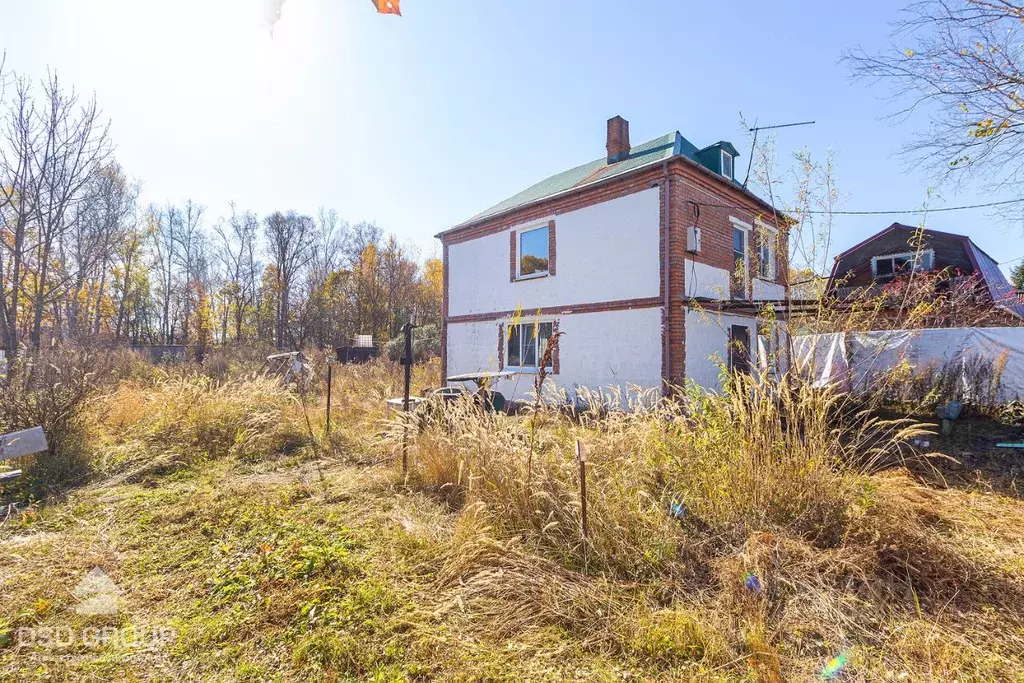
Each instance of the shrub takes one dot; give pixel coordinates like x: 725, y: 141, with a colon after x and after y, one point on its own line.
x: 426, y: 344
x: 51, y: 390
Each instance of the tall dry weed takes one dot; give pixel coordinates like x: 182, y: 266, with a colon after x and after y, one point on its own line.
x: 666, y: 479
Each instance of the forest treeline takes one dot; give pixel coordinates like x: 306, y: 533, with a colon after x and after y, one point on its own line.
x: 82, y: 258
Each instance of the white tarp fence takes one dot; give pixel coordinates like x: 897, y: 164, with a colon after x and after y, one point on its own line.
x: 853, y: 360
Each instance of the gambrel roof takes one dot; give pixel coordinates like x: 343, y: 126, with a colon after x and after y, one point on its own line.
x: 950, y: 248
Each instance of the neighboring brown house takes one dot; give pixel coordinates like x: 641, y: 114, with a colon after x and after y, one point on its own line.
x: 901, y: 250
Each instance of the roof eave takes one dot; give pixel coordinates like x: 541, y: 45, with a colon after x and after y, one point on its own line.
x: 625, y: 174
x: 576, y: 188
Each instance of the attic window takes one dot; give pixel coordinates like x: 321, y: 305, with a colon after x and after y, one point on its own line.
x: 726, y: 164
x: 889, y: 266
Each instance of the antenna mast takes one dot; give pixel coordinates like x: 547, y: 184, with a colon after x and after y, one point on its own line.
x: 753, y: 144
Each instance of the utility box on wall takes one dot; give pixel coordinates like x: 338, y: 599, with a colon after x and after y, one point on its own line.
x: 693, y: 239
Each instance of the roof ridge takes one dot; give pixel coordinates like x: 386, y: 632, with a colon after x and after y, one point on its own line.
x: 657, y: 149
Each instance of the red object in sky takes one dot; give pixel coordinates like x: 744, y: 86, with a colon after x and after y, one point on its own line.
x: 387, y: 6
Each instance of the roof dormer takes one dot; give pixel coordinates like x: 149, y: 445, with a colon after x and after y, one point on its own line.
x: 720, y: 158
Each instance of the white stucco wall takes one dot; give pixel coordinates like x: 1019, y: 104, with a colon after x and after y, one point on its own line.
x: 764, y: 290
x: 472, y: 347
x: 598, y: 350
x: 702, y: 280
x: 707, y: 341
x: 708, y: 281
x: 605, y: 252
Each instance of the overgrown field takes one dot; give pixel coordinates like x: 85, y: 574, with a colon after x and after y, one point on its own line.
x: 729, y: 538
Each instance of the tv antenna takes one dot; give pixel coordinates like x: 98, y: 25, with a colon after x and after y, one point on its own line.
x: 753, y: 145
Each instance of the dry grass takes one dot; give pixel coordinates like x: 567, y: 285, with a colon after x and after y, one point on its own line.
x: 757, y: 520
x: 155, y: 427
x: 742, y: 537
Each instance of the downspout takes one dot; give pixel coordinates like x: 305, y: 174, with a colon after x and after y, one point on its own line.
x: 666, y: 350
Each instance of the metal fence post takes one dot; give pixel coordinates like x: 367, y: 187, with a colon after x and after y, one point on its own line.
x: 330, y: 385
x: 407, y: 362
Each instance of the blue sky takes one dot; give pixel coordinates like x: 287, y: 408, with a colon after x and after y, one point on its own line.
x: 421, y: 121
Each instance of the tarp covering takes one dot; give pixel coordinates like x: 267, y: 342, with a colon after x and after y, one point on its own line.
x: 853, y: 361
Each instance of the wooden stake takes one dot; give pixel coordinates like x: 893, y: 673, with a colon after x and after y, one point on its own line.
x: 581, y: 455
x: 330, y: 385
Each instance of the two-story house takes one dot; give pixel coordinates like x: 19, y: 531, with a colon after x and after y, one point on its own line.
x: 652, y: 261
x: 902, y: 250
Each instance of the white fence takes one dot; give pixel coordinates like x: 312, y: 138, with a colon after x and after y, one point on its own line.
x: 854, y: 360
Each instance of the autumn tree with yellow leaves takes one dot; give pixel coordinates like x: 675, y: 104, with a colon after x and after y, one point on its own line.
x: 958, y: 64
x: 81, y: 260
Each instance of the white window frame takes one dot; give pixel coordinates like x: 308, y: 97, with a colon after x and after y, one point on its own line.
x: 913, y: 256
x: 528, y: 323
x: 746, y: 228
x: 732, y: 165
x: 519, y: 250
x: 768, y: 232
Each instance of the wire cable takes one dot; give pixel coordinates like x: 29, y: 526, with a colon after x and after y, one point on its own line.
x: 942, y: 209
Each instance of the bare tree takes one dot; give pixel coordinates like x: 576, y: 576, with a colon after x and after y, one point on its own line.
x: 77, y: 259
x: 164, y: 227
x: 73, y: 146
x: 130, y: 290
x: 959, y: 63
x: 18, y: 191
x: 236, y: 253
x: 114, y: 197
x: 290, y: 239
x: 189, y: 250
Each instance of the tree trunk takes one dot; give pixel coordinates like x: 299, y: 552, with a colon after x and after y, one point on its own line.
x: 40, y: 299
x: 99, y: 300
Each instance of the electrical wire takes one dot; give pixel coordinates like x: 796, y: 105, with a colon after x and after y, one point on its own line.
x: 964, y: 207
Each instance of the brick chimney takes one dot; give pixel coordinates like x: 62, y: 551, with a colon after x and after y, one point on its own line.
x: 618, y: 139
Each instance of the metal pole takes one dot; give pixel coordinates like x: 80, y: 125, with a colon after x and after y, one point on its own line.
x: 330, y: 385
x: 407, y: 362
x: 581, y: 455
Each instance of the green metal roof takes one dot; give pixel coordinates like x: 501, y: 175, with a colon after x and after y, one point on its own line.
x: 652, y: 152
x: 655, y: 151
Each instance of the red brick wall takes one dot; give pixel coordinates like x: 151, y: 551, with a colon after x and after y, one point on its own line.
x: 512, y: 250
x: 552, y: 251
x: 501, y: 346
x: 716, y: 228
x: 676, y: 371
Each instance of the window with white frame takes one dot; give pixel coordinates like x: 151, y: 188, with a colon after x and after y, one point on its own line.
x: 889, y: 266
x: 533, y: 252
x: 526, y: 344
x: 740, y: 257
x: 766, y: 253
x: 726, y: 164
